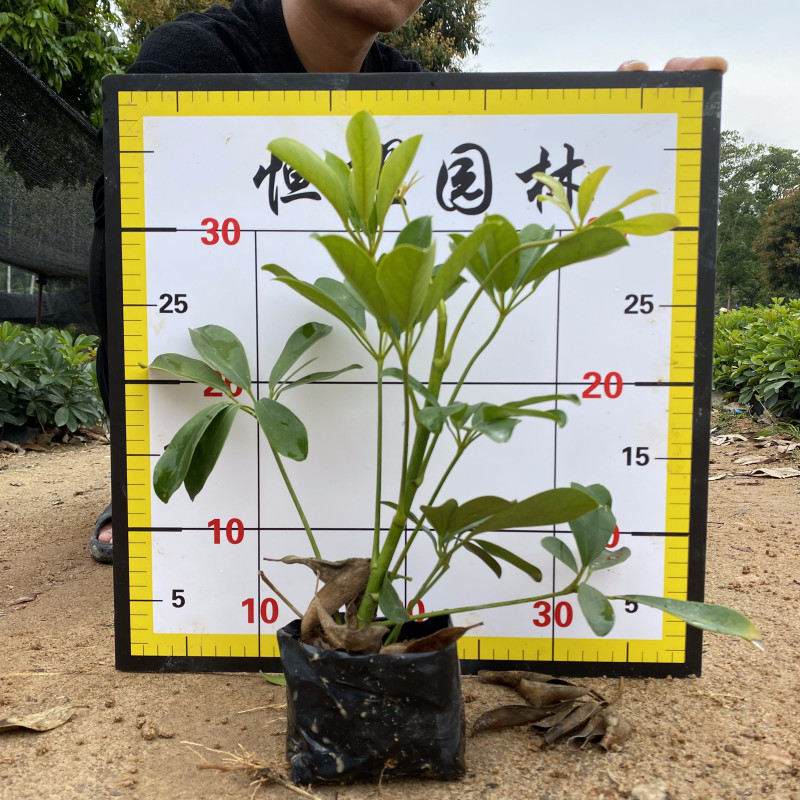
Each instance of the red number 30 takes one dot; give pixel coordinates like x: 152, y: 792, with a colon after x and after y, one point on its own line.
x: 230, y: 230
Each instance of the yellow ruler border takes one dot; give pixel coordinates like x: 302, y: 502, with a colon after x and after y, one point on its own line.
x: 685, y: 102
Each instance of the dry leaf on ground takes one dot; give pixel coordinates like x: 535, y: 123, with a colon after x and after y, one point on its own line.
x: 40, y: 721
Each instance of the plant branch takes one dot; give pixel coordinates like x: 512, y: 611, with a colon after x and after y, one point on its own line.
x: 296, y: 502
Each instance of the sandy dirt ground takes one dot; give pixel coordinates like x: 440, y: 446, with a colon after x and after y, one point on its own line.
x: 732, y: 733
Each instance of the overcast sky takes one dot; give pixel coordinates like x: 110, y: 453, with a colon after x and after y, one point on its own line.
x: 760, y: 39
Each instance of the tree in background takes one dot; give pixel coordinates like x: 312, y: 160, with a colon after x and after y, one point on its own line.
x: 68, y: 44
x: 142, y: 16
x: 752, y: 177
x: 441, y: 34
x: 777, y: 245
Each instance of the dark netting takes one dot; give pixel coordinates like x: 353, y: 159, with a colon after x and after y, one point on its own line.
x: 50, y: 158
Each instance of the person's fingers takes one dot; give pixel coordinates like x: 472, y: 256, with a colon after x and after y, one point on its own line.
x: 634, y: 65
x: 703, y: 62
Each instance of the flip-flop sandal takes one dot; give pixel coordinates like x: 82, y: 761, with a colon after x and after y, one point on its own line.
x: 101, y: 551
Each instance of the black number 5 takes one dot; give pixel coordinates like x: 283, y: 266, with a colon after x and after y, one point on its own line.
x: 178, y: 600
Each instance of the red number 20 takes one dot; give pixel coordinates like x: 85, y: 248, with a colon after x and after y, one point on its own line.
x: 612, y: 385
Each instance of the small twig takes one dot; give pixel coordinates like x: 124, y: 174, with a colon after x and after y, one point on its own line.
x: 274, y: 589
x: 278, y: 707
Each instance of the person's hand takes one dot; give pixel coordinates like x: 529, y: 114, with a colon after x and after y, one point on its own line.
x: 678, y: 64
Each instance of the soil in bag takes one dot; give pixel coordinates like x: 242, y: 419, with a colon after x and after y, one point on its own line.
x: 360, y: 717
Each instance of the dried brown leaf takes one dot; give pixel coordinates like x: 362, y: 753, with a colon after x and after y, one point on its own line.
x: 507, y: 717
x: 541, y: 695
x: 510, y: 677
x: 573, y: 721
x: 365, y: 640
x: 28, y: 598
x: 326, y: 571
x: 427, y: 644
x: 618, y: 729
x: 40, y: 721
x: 592, y: 731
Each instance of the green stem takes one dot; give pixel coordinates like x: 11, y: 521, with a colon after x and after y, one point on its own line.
x: 376, y: 534
x: 296, y: 502
x: 471, y: 363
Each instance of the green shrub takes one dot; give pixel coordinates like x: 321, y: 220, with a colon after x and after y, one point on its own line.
x: 47, y: 376
x: 757, y: 356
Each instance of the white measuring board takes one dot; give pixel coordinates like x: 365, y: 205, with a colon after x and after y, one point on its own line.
x: 196, y: 205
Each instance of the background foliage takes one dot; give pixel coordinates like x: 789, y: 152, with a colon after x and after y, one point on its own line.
x: 47, y: 377
x: 757, y: 356
x: 68, y: 44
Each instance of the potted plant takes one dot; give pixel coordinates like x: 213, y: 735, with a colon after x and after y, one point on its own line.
x: 370, y: 695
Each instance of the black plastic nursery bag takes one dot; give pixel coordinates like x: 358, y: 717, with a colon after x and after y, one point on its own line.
x: 357, y: 717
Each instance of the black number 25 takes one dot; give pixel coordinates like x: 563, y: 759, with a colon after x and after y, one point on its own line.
x: 177, y: 301
x: 639, y: 304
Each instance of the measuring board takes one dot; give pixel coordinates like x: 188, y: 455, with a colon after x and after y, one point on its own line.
x: 196, y: 205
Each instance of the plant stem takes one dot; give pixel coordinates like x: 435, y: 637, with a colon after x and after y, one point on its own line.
x: 376, y: 534
x: 296, y: 502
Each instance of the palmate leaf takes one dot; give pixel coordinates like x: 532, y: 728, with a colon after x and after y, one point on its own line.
x: 706, y: 616
x: 610, y: 558
x: 592, y: 533
x: 551, y: 507
x: 223, y: 351
x: 485, y: 557
x: 318, y: 377
x: 596, y: 609
x: 208, y: 450
x: 284, y: 431
x: 559, y: 550
x: 191, y: 369
x: 344, y: 298
x: 317, y: 296
x: 433, y: 418
x: 530, y: 256
x: 403, y: 276
x: 502, y: 239
x: 498, y: 430
x: 503, y: 554
x: 171, y: 468
x: 421, y: 389
x: 300, y: 340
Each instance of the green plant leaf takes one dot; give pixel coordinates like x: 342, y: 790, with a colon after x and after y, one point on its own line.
x: 647, y: 224
x: 610, y: 558
x: 404, y: 275
x: 364, y: 146
x: 446, y: 277
x: 397, y: 374
x: 607, y: 219
x: 512, y: 558
x: 708, y: 617
x: 191, y: 369
x: 172, y: 466
x: 220, y: 348
x: 208, y: 449
x: 418, y: 232
x: 432, y: 418
x: 61, y: 417
x: 498, y: 430
x: 316, y: 296
x: 439, y: 516
x: 485, y: 557
x: 275, y: 680
x: 393, y: 173
x: 588, y: 190
x: 559, y: 193
x: 324, y: 177
x: 360, y: 272
x: 596, y: 490
x: 391, y: 605
x: 300, y: 340
x: 551, y: 507
x: 344, y: 298
x: 543, y: 398
x: 592, y: 533
x: 491, y: 413
x: 559, y: 550
x: 284, y: 431
x: 474, y: 511
x: 530, y: 256
x: 319, y: 377
x: 633, y: 198
x: 596, y: 609
x: 502, y: 239
x: 581, y: 246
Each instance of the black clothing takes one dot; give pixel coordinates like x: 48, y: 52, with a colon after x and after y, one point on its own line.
x: 251, y: 36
